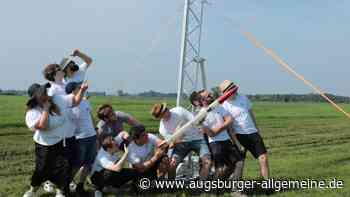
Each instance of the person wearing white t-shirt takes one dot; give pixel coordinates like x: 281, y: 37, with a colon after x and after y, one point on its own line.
x: 85, y: 134
x: 108, y: 168
x: 54, y: 74
x: 44, y: 118
x: 192, y: 140
x: 146, y: 155
x: 245, y: 127
x: 73, y: 72
x: 225, y: 154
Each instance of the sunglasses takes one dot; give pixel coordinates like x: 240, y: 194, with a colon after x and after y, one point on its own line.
x: 72, y: 63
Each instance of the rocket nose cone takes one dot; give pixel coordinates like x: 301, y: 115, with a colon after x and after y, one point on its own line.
x: 228, y: 94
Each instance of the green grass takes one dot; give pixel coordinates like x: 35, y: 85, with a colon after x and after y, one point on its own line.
x: 304, y: 140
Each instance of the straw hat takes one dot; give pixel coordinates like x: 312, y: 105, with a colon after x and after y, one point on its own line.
x: 226, y: 85
x: 158, y: 109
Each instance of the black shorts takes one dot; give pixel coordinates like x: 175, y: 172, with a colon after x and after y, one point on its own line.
x: 252, y: 142
x: 224, y: 153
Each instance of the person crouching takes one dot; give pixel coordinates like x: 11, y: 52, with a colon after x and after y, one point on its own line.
x: 147, y: 153
x: 108, y: 168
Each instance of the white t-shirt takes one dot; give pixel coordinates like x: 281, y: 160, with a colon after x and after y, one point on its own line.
x: 139, y: 154
x: 214, y: 119
x: 82, y: 114
x: 56, y: 89
x: 79, y: 75
x: 52, y: 135
x: 239, y: 110
x: 64, y: 103
x: 103, y: 160
x: 179, y: 116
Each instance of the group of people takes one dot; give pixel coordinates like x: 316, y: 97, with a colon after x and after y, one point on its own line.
x: 67, y: 142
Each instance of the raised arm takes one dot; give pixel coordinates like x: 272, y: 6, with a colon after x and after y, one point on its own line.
x: 83, y: 56
x: 132, y: 121
x: 80, y: 95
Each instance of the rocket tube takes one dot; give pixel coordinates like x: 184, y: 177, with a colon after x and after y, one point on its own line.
x: 228, y: 94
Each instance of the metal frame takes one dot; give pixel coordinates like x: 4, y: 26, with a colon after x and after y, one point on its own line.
x: 191, y: 63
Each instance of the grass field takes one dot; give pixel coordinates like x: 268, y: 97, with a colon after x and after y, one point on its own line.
x: 304, y: 140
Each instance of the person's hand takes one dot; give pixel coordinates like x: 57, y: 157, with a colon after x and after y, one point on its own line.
x: 172, y: 145
x: 124, y: 135
x: 84, y: 86
x: 172, y: 163
x: 163, y: 144
x: 216, y: 129
x: 76, y: 52
x: 159, y: 152
x: 47, y: 105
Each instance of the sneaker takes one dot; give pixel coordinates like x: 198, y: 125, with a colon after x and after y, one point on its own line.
x: 72, y: 186
x: 98, y: 193
x: 29, y: 193
x: 59, y: 193
x: 49, y: 187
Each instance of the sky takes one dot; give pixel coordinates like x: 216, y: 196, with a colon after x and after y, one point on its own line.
x: 135, y: 44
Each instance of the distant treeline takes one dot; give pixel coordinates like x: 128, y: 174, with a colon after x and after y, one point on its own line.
x: 298, y: 98
x: 24, y: 93
x: 256, y: 97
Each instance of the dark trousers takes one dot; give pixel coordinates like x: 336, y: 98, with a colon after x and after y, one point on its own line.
x: 50, y: 164
x: 71, y: 153
x: 112, y: 178
x: 150, y: 173
x: 225, y: 156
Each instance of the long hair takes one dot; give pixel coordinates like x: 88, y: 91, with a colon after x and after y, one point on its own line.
x: 42, y: 91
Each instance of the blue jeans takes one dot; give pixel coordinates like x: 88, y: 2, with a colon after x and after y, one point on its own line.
x: 87, y: 150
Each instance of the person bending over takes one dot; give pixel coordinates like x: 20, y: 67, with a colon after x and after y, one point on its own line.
x: 146, y: 155
x: 192, y: 140
x: 112, y: 121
